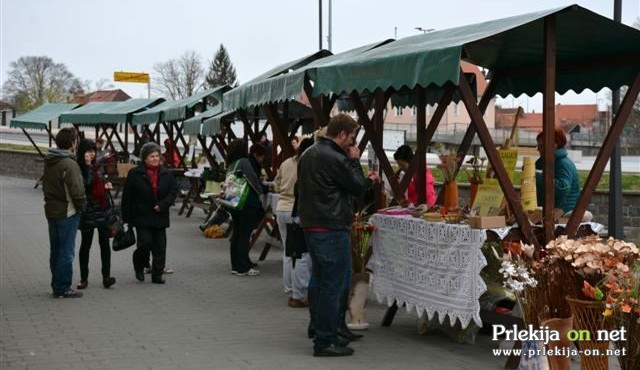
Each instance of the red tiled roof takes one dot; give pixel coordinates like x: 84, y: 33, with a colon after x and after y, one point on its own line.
x: 106, y: 95
x: 566, y: 116
x: 5, y: 106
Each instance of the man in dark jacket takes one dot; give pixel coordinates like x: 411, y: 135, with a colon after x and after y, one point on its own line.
x: 329, y: 176
x: 64, y: 200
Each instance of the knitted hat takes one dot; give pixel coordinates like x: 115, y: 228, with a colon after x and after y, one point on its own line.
x: 149, y: 148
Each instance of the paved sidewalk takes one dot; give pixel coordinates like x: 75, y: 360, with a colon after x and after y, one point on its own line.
x: 203, y: 318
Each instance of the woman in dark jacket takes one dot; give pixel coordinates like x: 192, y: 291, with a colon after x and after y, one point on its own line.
x: 245, y: 220
x: 148, y: 193
x: 98, y: 215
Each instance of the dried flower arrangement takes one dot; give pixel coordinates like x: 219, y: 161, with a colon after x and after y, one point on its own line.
x: 476, y: 172
x: 591, y: 260
x: 448, y: 164
x: 361, y: 231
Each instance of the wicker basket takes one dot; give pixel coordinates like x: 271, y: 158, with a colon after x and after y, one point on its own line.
x: 587, y: 315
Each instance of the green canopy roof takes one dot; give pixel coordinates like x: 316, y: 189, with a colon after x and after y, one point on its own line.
x: 607, y: 54
x: 288, y: 86
x: 244, y: 95
x: 96, y: 113
x: 192, y: 125
x: 177, y: 110
x: 211, y: 125
x: 40, y: 117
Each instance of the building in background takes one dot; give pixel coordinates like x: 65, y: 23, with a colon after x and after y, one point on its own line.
x: 7, y: 112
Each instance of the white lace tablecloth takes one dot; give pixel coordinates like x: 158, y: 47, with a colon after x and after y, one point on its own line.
x: 431, y: 267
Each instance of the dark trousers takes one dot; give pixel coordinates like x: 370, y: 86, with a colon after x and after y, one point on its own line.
x: 244, y: 222
x: 105, y: 251
x: 150, y: 241
x: 330, y: 253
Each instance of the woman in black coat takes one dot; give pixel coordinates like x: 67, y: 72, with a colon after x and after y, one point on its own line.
x: 247, y: 219
x: 98, y: 215
x: 148, y: 193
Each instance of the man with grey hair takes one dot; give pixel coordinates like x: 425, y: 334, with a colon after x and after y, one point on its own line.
x: 329, y: 176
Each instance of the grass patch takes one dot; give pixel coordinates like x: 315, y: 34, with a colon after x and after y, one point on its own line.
x: 21, y: 147
x: 629, y: 181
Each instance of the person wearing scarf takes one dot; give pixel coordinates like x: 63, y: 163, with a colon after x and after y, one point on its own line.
x: 149, y: 192
x: 98, y: 215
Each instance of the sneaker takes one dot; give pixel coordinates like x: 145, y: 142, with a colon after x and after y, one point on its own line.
x: 250, y: 272
x: 67, y: 294
x: 166, y: 270
x: 234, y: 272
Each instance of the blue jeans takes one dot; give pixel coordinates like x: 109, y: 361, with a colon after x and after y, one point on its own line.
x: 62, y: 238
x: 330, y: 255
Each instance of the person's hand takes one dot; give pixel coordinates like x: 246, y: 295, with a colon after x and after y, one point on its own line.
x: 353, y: 152
x: 156, y: 208
x: 373, y: 176
x: 108, y: 186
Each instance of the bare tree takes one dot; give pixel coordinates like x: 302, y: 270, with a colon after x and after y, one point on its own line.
x: 34, y: 80
x: 179, y: 78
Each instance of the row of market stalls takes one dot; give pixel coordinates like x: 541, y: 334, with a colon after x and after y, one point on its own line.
x: 546, y: 52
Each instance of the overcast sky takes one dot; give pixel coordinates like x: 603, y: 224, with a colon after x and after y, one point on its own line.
x: 94, y: 38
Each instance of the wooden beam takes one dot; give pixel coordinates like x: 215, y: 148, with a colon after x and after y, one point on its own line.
x: 247, y: 126
x: 492, y: 154
x: 443, y: 103
x: 548, y: 123
x: 207, y: 153
x: 365, y: 122
x: 321, y: 119
x: 280, y: 134
x: 421, y: 149
x: 32, y: 142
x: 603, y: 156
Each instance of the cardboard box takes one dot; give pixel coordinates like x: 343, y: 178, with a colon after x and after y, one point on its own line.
x: 487, y: 222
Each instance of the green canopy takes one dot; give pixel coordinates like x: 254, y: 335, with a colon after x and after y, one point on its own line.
x: 40, y: 117
x: 192, y: 125
x: 592, y: 52
x: 86, y: 114
x: 288, y: 86
x: 211, y: 125
x: 97, y: 113
x: 243, y: 96
x: 177, y: 110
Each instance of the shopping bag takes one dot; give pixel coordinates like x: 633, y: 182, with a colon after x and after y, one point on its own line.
x: 123, y: 239
x: 295, y: 244
x: 235, y: 190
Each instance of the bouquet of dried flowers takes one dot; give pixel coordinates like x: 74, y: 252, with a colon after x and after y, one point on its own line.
x: 361, y: 231
x: 518, y: 276
x: 623, y: 307
x: 476, y: 172
x: 448, y: 164
x: 590, y: 260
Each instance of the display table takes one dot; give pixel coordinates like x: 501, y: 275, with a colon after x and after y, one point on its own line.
x: 429, y: 267
x: 268, y: 224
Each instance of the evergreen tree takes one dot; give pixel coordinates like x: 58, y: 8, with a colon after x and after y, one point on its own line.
x: 221, y: 70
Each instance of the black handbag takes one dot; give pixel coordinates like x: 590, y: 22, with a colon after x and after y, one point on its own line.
x: 123, y: 239
x: 295, y: 244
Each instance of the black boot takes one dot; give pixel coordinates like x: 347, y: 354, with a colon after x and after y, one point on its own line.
x: 343, y: 330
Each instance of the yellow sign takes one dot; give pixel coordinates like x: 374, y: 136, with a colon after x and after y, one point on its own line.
x: 131, y: 77
x: 488, y: 202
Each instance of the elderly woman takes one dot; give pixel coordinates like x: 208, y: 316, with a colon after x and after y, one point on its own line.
x: 567, y: 182
x: 294, y: 279
x: 149, y: 192
x: 245, y: 220
x: 98, y: 215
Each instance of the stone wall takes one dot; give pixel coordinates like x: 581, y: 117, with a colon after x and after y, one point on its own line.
x: 27, y: 165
